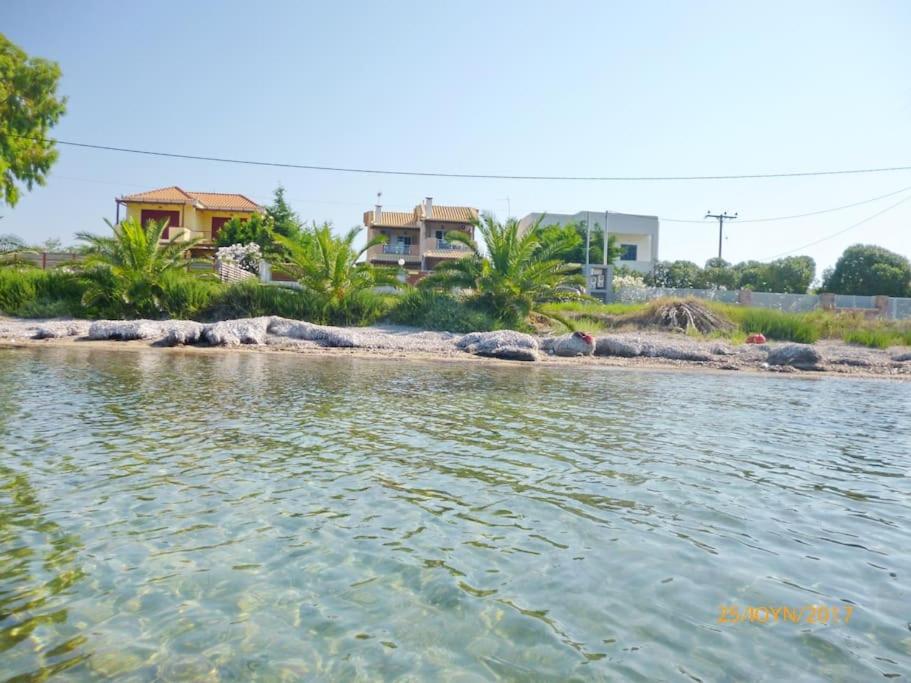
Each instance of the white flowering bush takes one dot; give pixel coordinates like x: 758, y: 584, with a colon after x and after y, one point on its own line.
x: 629, y: 281
x: 247, y: 256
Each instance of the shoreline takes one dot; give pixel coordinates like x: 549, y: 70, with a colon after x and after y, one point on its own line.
x: 843, y: 360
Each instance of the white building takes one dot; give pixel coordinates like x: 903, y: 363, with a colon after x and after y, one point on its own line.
x: 636, y: 235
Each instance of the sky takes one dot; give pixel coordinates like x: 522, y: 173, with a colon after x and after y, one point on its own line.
x: 521, y: 88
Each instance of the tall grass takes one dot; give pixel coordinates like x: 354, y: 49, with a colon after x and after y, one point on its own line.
x: 435, y: 310
x: 778, y: 325
x: 35, y: 293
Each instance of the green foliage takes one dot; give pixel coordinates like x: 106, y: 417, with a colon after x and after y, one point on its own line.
x: 327, y: 269
x: 518, y: 274
x: 126, y: 275
x: 249, y: 299
x: 789, y: 275
x: 285, y: 220
x: 571, y: 241
x: 779, y: 325
x: 434, y: 310
x: 35, y: 293
x: 29, y: 108
x: 258, y: 229
x: 876, y: 338
x: 675, y: 274
x: 868, y: 270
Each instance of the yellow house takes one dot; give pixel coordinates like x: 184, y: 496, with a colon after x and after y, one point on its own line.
x: 190, y: 215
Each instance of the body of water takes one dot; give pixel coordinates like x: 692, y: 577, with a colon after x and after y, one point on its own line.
x: 247, y: 516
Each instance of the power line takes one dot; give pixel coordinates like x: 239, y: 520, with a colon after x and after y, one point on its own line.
x: 843, y: 231
x: 478, y: 176
x: 796, y: 215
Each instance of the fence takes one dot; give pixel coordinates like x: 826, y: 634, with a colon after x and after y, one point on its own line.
x: 894, y: 308
x: 49, y: 259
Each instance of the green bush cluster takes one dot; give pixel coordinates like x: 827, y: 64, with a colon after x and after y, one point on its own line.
x: 34, y: 293
x: 435, y: 310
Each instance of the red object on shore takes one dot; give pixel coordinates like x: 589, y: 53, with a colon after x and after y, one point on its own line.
x: 756, y: 339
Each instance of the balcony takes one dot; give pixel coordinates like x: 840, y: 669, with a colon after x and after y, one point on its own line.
x: 444, y: 245
x: 181, y: 234
x: 401, y: 249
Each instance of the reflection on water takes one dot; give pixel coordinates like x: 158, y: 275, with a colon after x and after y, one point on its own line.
x: 247, y: 516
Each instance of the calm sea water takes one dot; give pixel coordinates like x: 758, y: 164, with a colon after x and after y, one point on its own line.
x: 245, y: 516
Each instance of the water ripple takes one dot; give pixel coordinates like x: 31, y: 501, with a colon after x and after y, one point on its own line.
x: 260, y: 517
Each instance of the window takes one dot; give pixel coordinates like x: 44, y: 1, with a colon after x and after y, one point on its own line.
x: 629, y: 252
x: 440, y: 234
x: 404, y: 240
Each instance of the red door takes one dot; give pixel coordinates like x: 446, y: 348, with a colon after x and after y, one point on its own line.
x: 217, y: 224
x: 172, y: 217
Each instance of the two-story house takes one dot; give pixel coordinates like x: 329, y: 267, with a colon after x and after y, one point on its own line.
x: 417, y: 238
x: 637, y: 236
x: 190, y: 215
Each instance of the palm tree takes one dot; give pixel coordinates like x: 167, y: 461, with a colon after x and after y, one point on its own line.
x: 127, y: 272
x: 519, y: 273
x: 327, y: 269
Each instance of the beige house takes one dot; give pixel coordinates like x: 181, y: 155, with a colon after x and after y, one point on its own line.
x: 418, y: 237
x: 190, y: 215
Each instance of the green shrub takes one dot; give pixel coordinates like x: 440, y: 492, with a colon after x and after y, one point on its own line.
x: 35, y: 293
x: 17, y: 288
x: 779, y: 325
x: 184, y: 296
x: 435, y: 310
x: 250, y: 299
x: 879, y: 339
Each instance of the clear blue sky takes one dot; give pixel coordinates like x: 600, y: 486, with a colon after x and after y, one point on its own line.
x: 574, y: 88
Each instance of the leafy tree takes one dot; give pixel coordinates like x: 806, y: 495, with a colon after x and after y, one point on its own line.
x: 258, y: 228
x: 519, y: 273
x: 753, y: 275
x: 718, y: 274
x: 127, y: 273
x: 285, y: 220
x: 327, y: 270
x: 572, y: 238
x: 868, y: 270
x: 675, y: 274
x: 29, y: 108
x: 791, y: 275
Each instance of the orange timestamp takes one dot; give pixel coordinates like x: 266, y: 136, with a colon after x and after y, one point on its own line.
x: 807, y: 614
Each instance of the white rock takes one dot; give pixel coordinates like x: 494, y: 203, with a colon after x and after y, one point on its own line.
x: 125, y: 330
x: 235, y: 332
x: 64, y: 328
x: 575, y: 344
x: 506, y: 344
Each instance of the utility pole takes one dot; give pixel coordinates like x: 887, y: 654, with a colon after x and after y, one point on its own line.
x: 721, y: 218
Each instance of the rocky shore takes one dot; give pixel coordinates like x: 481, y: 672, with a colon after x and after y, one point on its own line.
x: 628, y: 349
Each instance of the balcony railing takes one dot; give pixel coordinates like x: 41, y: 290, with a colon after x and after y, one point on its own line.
x: 454, y: 246
x: 397, y: 249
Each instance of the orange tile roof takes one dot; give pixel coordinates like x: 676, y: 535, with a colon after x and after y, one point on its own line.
x: 225, y: 201
x: 392, y: 219
x: 459, y: 214
x: 409, y: 219
x: 165, y: 194
x: 203, y: 200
